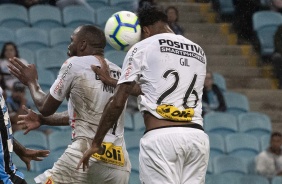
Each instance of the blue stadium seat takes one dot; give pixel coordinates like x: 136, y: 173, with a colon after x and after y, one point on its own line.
x: 134, y: 158
x: 220, y: 179
x: 45, y: 79
x: 220, y: 123
x: 255, y: 123
x: 236, y: 103
x: 210, y: 167
x: 45, y: 17
x: 32, y: 38
x: 64, y: 137
x: 132, y: 138
x: 134, y: 178
x: 226, y: 7
x: 130, y: 5
x: 34, y: 139
x: 27, y: 54
x: 264, y: 142
x: 265, y: 36
x: 75, y: 16
x: 104, y: 13
x: 50, y: 59
x: 229, y: 165
x: 242, y: 145
x: 60, y: 38
x: 116, y: 57
x: 138, y: 121
x: 263, y: 19
x: 13, y: 16
x: 6, y: 35
x: 128, y: 124
x: 254, y: 179
x: 96, y: 4
x: 276, y: 180
x: 219, y: 81
x: 217, y: 145
x: 265, y: 24
x: 29, y: 176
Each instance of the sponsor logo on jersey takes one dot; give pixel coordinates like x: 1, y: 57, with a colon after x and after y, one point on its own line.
x: 49, y: 181
x: 60, y: 83
x: 112, y: 154
x: 183, y: 49
x: 171, y: 112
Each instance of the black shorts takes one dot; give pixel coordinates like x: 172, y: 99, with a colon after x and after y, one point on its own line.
x: 15, y: 179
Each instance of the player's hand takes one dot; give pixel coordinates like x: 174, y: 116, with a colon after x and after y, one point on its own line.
x: 25, y: 73
x: 86, y: 156
x: 103, y: 72
x: 29, y: 121
x: 30, y: 154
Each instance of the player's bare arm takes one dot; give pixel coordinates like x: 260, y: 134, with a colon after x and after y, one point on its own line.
x: 26, y: 155
x: 32, y: 120
x: 104, y: 75
x: 110, y: 115
x: 27, y: 74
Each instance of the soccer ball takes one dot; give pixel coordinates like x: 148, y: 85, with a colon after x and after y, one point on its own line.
x: 122, y: 30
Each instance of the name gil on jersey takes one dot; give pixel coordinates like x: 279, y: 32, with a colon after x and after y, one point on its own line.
x: 112, y: 154
x: 171, y: 112
x: 183, y: 49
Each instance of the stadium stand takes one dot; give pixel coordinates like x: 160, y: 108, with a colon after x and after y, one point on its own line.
x: 45, y: 17
x: 6, y: 35
x: 13, y: 16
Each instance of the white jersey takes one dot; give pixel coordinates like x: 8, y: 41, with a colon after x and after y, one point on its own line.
x: 87, y: 97
x: 171, y: 71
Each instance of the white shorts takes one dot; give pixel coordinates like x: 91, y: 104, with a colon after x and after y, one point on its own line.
x: 64, y: 170
x: 174, y: 155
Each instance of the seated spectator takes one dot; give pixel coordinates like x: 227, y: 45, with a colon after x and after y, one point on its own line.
x: 172, y: 15
x: 212, y: 96
x: 9, y: 50
x: 15, y: 102
x: 269, y: 162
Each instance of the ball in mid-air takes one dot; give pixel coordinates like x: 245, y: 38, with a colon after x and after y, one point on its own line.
x: 123, y: 30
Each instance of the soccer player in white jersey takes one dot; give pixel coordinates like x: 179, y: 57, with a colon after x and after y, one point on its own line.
x: 87, y: 97
x: 171, y: 72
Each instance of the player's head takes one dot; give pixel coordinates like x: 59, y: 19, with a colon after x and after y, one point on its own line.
x: 87, y: 40
x: 153, y: 21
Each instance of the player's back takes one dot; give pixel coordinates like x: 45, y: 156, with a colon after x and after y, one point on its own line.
x: 172, y: 75
x: 88, y: 95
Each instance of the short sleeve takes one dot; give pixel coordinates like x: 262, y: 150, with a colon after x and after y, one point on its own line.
x: 61, y: 86
x: 131, y: 68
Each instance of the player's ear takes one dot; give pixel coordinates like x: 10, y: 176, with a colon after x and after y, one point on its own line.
x: 83, y: 45
x: 146, y: 32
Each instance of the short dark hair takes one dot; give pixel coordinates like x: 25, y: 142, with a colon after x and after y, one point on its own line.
x: 276, y: 134
x: 93, y: 35
x: 2, y: 55
x: 149, y: 15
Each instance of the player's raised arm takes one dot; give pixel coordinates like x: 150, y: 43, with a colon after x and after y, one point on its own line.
x: 32, y: 120
x: 27, y: 74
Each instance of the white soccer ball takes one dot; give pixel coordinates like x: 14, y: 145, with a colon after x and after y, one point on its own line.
x: 123, y: 30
